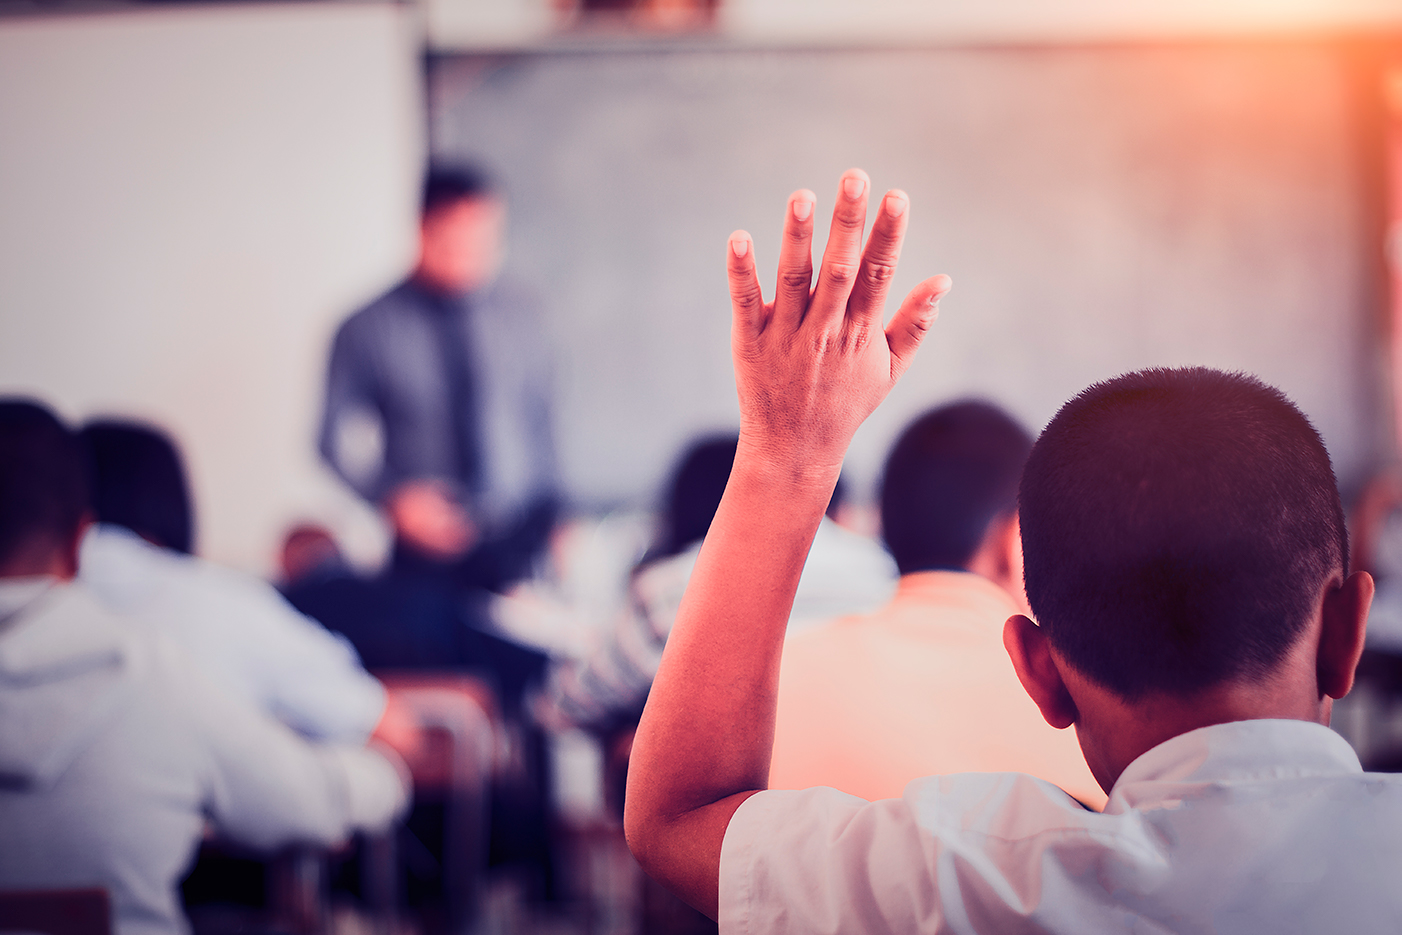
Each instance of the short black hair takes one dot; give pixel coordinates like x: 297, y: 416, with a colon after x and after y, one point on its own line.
x: 693, y: 494
x: 43, y: 479
x: 953, y: 471
x: 139, y: 482
x: 1177, y: 529
x: 446, y: 184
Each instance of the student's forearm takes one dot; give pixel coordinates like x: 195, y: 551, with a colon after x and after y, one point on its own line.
x: 710, y: 716
x: 713, y: 701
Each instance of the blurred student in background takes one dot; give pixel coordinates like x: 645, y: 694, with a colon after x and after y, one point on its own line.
x: 845, y: 573
x: 241, y: 632
x: 115, y: 749
x: 924, y: 685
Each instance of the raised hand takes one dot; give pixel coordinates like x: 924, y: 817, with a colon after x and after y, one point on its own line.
x: 812, y: 364
x: 809, y: 367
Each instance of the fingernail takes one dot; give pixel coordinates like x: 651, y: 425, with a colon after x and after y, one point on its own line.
x: 740, y: 245
x: 802, y: 209
x: 896, y: 205
x: 853, y: 187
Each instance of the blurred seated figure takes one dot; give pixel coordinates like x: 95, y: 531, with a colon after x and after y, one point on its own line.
x: 1375, y: 526
x: 238, y: 628
x: 923, y: 685
x: 310, y: 552
x: 115, y: 750
x: 424, y: 632
x: 845, y: 573
x: 403, y: 624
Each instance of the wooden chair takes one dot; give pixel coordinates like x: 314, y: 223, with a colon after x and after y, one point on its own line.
x: 455, y: 765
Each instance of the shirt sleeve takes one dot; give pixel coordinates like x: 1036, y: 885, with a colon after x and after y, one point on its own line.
x: 970, y: 852
x: 821, y: 861
x: 265, y: 786
x: 316, y: 684
x: 290, y: 666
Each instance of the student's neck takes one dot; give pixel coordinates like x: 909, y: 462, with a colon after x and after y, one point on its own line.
x: 45, y: 556
x: 1114, y: 732
x: 28, y: 566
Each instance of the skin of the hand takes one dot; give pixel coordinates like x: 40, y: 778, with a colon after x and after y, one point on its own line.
x: 810, y: 366
x: 399, y: 729
x: 427, y: 517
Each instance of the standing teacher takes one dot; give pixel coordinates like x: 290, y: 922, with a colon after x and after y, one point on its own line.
x: 438, y: 398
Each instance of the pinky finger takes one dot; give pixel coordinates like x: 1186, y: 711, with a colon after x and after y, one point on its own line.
x: 910, y: 324
x: 746, y: 298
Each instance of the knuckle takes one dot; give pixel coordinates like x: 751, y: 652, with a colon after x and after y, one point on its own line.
x: 840, y: 273
x: 745, y: 296
x: 857, y: 339
x: 879, y: 273
x: 849, y: 221
x: 747, y: 301
x: 796, y: 280
x: 917, y: 325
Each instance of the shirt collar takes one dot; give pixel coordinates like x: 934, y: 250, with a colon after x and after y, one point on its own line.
x: 1262, y: 749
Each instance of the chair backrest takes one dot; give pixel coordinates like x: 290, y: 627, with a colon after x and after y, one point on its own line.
x: 56, y: 912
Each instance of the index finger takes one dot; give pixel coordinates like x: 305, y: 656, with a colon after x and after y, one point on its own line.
x: 838, y: 273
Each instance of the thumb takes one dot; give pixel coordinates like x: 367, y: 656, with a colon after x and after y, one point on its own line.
x: 912, y: 321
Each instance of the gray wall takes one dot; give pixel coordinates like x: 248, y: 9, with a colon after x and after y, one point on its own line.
x: 1100, y: 209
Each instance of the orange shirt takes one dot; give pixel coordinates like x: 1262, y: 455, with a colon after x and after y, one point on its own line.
x: 921, y: 687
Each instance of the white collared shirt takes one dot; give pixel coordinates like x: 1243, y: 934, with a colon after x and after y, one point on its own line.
x: 115, y: 751
x: 1253, y: 826
x: 239, y: 630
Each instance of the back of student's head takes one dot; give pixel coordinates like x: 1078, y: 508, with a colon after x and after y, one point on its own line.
x: 1178, y: 527
x: 43, y: 482
x: 139, y: 482
x: 693, y: 494
x: 953, y: 471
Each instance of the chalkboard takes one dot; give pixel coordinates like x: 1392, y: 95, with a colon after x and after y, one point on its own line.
x: 1100, y: 209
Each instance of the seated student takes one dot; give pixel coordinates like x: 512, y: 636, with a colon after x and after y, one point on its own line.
x: 1185, y: 556
x: 114, y: 751
x: 923, y: 685
x: 844, y: 573
x: 237, y: 627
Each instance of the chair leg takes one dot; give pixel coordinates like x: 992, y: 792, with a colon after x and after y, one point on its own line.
x: 298, y: 885
x: 379, y: 879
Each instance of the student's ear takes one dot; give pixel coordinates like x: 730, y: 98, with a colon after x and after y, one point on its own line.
x: 1345, y: 617
x: 1030, y: 650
